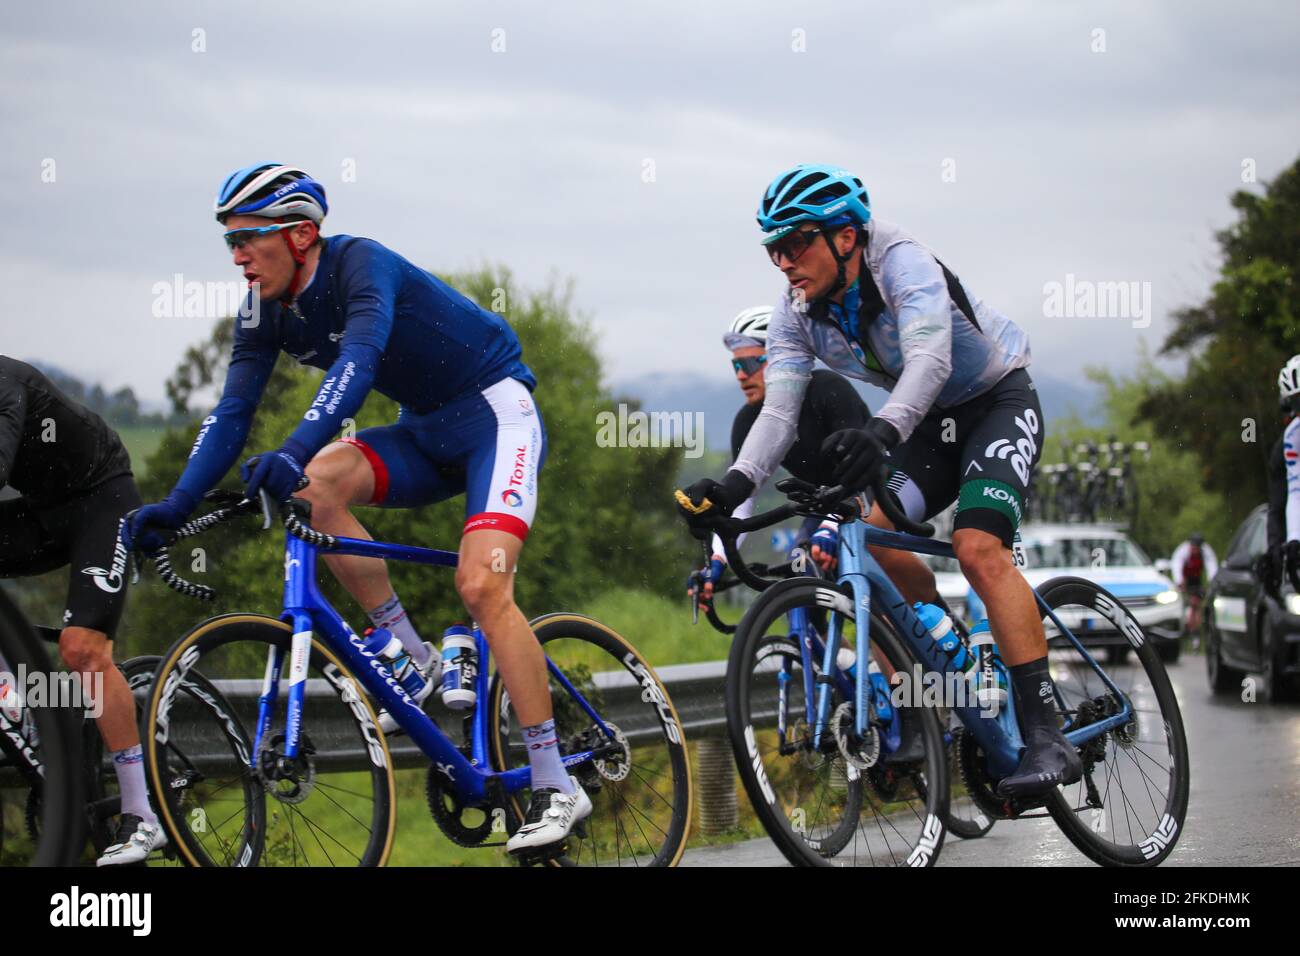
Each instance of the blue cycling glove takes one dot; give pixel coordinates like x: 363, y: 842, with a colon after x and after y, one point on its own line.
x: 167, y: 515
x: 827, y: 539
x: 280, y: 473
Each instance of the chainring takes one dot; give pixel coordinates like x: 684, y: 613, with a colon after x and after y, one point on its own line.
x: 448, y: 811
x: 974, y: 776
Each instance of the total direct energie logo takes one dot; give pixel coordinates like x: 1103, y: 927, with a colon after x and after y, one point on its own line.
x: 512, y: 498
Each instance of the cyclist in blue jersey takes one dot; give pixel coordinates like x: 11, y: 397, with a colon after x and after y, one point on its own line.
x: 468, y: 424
x: 963, y: 420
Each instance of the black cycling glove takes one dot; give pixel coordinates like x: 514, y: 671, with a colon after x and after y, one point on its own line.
x: 724, y: 497
x: 856, y: 454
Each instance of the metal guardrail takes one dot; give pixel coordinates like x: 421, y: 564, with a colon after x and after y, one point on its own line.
x: 696, y: 691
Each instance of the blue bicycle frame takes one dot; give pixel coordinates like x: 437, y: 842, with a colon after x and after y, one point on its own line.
x: 308, y: 612
x: 999, y: 738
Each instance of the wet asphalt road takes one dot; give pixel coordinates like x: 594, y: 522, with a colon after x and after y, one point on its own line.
x: 1244, y: 807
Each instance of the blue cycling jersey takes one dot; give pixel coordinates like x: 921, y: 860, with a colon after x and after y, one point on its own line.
x: 371, y: 319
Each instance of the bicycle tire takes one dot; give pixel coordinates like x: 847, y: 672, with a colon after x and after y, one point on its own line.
x: 927, y: 777
x: 657, y: 725
x: 62, y: 821
x: 235, y: 647
x: 1160, y: 829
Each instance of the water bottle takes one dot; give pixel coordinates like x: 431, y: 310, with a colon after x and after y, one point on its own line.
x: 846, y: 660
x: 893, y: 727
x: 459, y: 667
x: 991, y: 674
x: 389, y: 648
x: 945, y: 635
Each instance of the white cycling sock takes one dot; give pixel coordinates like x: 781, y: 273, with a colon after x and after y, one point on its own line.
x: 393, y: 617
x: 129, y: 766
x: 544, y: 758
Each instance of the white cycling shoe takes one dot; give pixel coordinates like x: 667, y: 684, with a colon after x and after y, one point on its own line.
x: 432, y: 682
x: 136, y: 840
x: 551, y: 818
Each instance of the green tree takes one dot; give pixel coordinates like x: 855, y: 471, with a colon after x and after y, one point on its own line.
x: 605, y: 517
x: 1224, y: 409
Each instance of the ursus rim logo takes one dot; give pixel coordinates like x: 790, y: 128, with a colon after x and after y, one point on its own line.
x: 512, y: 498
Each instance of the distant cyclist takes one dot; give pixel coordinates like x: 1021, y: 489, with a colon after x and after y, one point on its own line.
x: 75, y: 480
x: 963, y: 421
x: 1194, y: 564
x: 468, y: 425
x: 830, y: 405
x: 1283, y: 554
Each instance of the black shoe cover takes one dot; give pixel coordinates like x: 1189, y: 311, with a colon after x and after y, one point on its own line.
x: 1048, y: 762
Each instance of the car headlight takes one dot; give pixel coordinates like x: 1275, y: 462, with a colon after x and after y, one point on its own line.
x: 1293, y: 604
x: 1167, y: 597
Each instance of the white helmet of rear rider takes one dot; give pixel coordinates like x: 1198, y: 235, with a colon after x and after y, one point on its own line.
x: 1288, y: 380
x: 749, y: 329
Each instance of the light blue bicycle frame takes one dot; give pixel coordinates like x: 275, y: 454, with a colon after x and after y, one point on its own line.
x: 308, y: 612
x: 999, y: 737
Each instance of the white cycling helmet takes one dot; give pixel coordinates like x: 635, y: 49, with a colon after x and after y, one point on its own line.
x: 750, y: 328
x: 1288, y: 380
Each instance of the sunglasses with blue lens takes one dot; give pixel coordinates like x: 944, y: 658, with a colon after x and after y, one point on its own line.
x: 748, y: 365
x: 238, y: 238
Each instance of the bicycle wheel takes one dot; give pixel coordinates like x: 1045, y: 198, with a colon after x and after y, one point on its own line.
x: 838, y: 785
x: 223, y: 805
x: 46, y: 736
x: 903, y: 794
x: 640, y: 788
x: 1129, y: 808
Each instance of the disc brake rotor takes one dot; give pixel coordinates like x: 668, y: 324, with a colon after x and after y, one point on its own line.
x: 615, y: 767
x: 289, y: 780
x: 861, y: 753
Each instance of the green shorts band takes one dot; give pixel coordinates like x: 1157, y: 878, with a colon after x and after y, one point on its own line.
x: 993, y: 495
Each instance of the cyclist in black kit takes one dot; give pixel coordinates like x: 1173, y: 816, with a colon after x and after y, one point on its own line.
x: 830, y: 405
x: 74, y: 477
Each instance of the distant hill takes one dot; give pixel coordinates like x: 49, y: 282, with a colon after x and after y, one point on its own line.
x: 718, y: 399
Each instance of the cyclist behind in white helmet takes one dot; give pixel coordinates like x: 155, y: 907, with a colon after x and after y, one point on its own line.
x: 963, y: 421
x: 467, y: 425
x: 1283, y: 554
x: 830, y: 405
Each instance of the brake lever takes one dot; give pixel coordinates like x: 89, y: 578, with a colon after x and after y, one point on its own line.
x: 268, y: 507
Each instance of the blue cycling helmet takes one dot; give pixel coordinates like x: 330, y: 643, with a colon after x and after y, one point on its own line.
x: 813, y: 192
x: 273, y: 191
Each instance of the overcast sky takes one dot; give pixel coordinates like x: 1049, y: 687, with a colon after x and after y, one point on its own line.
x: 1111, y: 166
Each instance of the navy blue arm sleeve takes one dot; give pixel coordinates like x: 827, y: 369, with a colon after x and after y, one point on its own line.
x: 224, y: 432
x: 369, y: 293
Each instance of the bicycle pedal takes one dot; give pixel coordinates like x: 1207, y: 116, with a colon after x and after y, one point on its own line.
x: 542, y: 855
